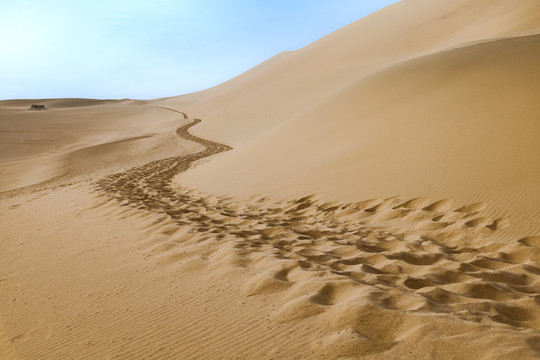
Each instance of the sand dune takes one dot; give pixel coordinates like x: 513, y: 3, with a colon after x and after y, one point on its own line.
x: 291, y: 83
x: 462, y: 125
x: 372, y: 195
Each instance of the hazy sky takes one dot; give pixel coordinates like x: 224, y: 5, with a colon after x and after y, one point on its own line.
x: 148, y: 49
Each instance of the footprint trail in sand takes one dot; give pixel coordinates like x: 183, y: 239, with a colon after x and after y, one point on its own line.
x: 403, y: 257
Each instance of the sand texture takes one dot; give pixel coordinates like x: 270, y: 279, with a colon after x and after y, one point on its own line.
x: 373, y: 195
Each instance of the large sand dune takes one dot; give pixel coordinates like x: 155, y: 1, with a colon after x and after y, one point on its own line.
x: 291, y: 83
x: 372, y: 195
x: 461, y: 124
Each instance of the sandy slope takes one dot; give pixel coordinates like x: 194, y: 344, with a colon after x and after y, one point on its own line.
x: 462, y: 125
x: 441, y: 104
x: 426, y: 109
x: 290, y: 83
x: 135, y: 268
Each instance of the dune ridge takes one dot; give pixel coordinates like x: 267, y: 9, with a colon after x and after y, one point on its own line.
x: 285, y: 86
x: 461, y: 125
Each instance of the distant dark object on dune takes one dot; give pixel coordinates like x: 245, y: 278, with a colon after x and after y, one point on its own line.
x: 37, y: 107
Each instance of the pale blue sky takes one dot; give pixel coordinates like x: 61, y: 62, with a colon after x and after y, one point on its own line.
x: 148, y: 49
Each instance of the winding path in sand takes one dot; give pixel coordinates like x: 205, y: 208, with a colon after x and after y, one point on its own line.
x: 416, y: 265
x: 146, y: 185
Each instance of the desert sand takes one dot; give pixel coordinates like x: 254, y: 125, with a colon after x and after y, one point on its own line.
x: 372, y: 195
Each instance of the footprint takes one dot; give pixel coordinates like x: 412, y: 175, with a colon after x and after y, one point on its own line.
x: 415, y: 259
x: 511, y: 314
x: 483, y: 290
x: 266, y: 283
x: 531, y: 241
x: 472, y: 208
x: 498, y: 224
x: 441, y: 205
x: 481, y: 221
x: 416, y: 204
x: 417, y: 283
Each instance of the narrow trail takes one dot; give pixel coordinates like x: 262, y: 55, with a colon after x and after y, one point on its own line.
x: 147, y: 185
x: 412, y: 256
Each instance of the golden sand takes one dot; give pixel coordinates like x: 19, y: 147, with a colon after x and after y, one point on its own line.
x: 372, y: 195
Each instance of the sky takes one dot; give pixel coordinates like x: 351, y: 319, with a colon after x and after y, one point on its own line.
x: 149, y: 49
